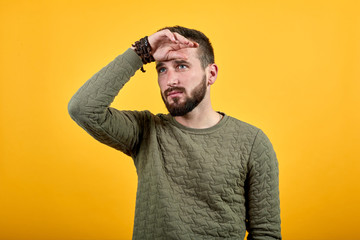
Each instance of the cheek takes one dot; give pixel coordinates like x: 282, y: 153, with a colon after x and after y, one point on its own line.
x: 162, y: 85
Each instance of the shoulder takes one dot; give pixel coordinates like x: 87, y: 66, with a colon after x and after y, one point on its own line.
x: 254, y: 134
x: 242, y: 127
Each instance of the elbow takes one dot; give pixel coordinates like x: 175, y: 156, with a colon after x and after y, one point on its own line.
x: 74, y: 108
x: 80, y: 112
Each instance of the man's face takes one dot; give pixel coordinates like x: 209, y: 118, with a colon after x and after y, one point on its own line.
x: 183, y: 83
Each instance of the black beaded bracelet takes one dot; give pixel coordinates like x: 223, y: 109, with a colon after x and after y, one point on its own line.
x: 143, y: 49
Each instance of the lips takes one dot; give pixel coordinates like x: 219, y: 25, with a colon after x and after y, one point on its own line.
x: 174, y: 93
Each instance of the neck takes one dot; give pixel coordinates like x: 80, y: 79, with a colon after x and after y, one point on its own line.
x: 203, y: 116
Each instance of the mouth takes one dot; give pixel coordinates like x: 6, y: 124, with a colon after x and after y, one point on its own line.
x: 174, y: 93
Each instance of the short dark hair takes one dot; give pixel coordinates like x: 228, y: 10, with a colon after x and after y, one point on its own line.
x: 206, y: 51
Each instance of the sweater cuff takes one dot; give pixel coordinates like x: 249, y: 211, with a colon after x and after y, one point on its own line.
x: 132, y: 58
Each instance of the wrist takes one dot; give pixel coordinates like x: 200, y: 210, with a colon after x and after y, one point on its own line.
x: 143, y: 49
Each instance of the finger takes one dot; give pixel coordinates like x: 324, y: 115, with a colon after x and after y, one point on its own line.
x: 185, y: 41
x: 181, y: 39
x: 182, y: 46
x: 170, y: 35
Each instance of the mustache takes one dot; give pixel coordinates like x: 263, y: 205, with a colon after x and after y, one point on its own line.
x: 170, y: 89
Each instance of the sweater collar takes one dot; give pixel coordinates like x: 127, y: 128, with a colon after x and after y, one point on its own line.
x: 214, y: 128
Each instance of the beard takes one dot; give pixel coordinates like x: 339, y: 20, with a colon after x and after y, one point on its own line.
x: 180, y: 109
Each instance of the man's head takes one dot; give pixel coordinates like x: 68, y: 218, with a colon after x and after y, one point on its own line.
x: 185, y: 81
x: 205, y: 51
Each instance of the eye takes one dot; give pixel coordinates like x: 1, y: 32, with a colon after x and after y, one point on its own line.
x: 182, y: 66
x: 161, y: 70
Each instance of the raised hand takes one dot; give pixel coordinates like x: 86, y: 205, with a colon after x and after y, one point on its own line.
x: 165, y: 45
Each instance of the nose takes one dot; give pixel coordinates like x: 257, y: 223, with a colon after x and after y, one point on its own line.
x: 172, y: 78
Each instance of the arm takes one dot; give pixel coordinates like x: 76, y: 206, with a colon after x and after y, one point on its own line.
x: 262, y: 192
x: 90, y: 106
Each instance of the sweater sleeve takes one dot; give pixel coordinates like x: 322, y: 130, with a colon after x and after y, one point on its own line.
x: 262, y: 192
x: 89, y: 107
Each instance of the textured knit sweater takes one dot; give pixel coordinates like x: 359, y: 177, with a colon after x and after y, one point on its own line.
x: 212, y: 183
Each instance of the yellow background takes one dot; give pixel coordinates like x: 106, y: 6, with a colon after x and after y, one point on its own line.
x: 291, y: 68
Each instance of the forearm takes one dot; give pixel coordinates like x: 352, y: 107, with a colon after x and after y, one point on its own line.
x: 100, y: 90
x: 89, y: 107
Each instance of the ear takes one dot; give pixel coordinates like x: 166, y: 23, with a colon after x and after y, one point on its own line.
x: 212, y: 70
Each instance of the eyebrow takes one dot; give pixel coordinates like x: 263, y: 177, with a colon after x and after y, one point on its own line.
x: 182, y: 61
x: 160, y: 64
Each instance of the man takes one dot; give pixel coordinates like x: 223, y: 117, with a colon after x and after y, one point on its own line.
x: 201, y: 173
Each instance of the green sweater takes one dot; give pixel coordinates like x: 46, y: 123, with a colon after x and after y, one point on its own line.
x: 212, y: 183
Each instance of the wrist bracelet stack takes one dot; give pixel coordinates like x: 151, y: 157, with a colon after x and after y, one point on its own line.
x: 143, y: 49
